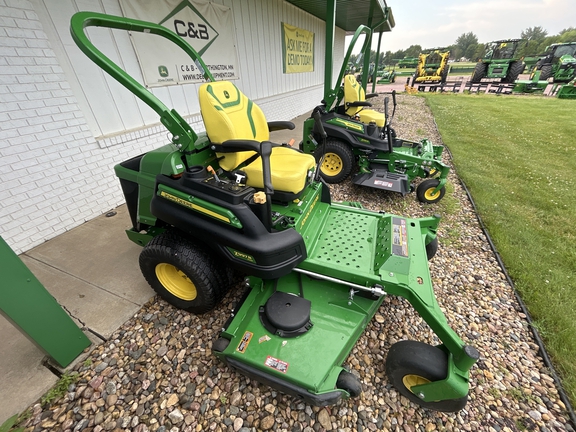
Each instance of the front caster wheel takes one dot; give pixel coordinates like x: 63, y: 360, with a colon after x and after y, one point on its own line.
x: 432, y: 248
x: 350, y: 383
x: 425, y: 191
x: 412, y: 363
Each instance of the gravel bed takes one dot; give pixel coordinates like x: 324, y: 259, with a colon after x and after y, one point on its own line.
x: 157, y: 373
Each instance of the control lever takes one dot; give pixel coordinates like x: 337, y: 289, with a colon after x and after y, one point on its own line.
x: 211, y: 171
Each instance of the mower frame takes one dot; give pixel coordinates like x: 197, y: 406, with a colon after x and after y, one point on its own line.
x: 335, y: 260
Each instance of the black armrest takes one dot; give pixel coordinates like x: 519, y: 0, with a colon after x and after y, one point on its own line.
x: 280, y: 125
x: 359, y: 104
x: 232, y: 146
x: 371, y: 95
x: 264, y: 149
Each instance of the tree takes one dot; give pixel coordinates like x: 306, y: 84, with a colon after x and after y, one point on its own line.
x: 531, y: 48
x: 568, y: 35
x: 388, y: 58
x: 469, y: 53
x: 536, y: 33
x: 398, y: 55
x: 475, y: 52
x: 463, y: 43
x: 413, y: 51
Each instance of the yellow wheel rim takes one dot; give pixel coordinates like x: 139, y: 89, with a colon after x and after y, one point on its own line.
x: 410, y: 381
x: 176, y: 281
x: 332, y: 164
x: 430, y: 195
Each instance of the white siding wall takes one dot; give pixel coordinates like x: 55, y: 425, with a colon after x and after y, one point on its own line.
x: 64, y: 124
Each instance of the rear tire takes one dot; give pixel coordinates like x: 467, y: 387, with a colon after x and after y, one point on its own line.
x: 184, y: 273
x: 410, y: 363
x: 444, y: 75
x: 545, y: 72
x: 338, y: 160
x: 515, y: 69
x: 479, y: 72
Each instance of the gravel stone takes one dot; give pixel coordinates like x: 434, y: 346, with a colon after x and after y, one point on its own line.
x: 134, y: 384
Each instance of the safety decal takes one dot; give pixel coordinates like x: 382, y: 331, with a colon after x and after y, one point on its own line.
x: 243, y: 345
x: 383, y: 183
x: 274, y: 363
x: 264, y: 338
x: 399, y: 237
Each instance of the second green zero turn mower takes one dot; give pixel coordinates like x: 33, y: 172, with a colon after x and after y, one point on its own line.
x: 360, y: 136
x: 206, y: 206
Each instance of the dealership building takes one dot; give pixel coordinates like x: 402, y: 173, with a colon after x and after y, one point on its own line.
x: 64, y: 123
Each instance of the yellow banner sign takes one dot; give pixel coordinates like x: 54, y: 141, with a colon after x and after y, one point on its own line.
x: 297, y: 49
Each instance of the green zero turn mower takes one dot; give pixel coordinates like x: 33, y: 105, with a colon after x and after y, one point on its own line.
x: 206, y: 206
x: 361, y: 136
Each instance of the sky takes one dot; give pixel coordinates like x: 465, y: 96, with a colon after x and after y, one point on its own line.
x: 434, y: 24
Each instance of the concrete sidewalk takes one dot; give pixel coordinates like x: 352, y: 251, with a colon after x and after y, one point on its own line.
x: 93, y: 273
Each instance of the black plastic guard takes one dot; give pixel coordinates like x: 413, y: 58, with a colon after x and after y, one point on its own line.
x: 382, y: 179
x: 286, y: 387
x: 251, y: 249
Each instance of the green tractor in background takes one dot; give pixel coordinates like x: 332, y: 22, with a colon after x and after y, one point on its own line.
x: 432, y: 66
x: 500, y: 61
x: 558, y: 62
x: 387, y: 75
x: 407, y: 62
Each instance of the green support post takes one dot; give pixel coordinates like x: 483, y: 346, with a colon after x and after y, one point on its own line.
x: 376, y: 63
x: 366, y: 59
x: 31, y: 308
x: 330, y: 22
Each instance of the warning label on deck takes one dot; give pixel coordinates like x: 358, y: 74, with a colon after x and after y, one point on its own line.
x: 274, y: 363
x: 244, y: 342
x: 399, y: 237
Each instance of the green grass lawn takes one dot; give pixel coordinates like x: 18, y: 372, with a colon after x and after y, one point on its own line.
x: 517, y: 156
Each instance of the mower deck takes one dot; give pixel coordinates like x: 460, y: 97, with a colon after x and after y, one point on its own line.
x: 291, y: 364
x: 366, y: 254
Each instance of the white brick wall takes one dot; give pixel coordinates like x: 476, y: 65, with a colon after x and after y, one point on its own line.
x: 54, y: 174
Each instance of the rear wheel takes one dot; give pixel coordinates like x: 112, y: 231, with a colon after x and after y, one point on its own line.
x: 515, y: 69
x: 338, y: 160
x: 444, y: 75
x: 545, y: 72
x: 184, y: 273
x: 425, y: 191
x: 479, y: 72
x: 412, y: 363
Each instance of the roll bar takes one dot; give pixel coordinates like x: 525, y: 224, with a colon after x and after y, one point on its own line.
x: 182, y: 134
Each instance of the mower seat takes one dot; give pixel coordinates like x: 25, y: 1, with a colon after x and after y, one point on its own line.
x: 355, y: 100
x: 229, y: 115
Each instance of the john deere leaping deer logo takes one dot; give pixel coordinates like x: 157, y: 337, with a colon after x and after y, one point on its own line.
x: 163, y: 71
